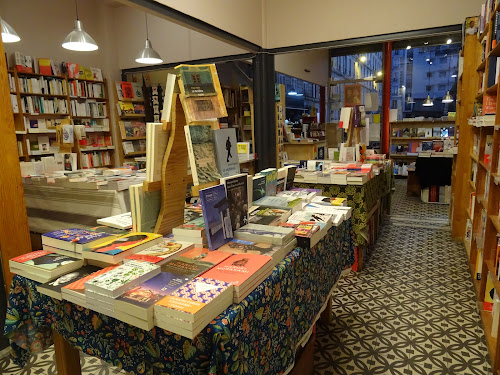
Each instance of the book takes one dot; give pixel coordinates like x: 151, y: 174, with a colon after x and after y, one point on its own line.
x: 114, y: 251
x: 43, y: 266
x: 283, y: 202
x: 290, y: 176
x: 96, y: 74
x: 120, y: 279
x: 127, y: 90
x: 186, y: 268
x: 161, y: 252
x: 72, y: 70
x: 215, y: 208
x: 75, y: 292
x: 226, y: 153
x: 259, y: 187
x: 237, y: 197
x: 488, y: 294
x: 210, y: 256
x: 74, y: 239
x: 268, y: 216
x: 276, y: 252
x: 193, y: 228
x: 488, y: 149
x: 265, y: 233
x: 121, y: 221
x: 201, y: 152
x: 271, y: 180
x: 54, y: 288
x: 197, y: 80
x: 44, y: 66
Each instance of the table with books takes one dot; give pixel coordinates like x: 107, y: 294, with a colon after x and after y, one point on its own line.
x: 361, y: 196
x: 273, y: 310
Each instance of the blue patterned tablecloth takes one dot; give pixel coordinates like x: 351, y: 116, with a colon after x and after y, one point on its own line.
x: 257, y: 336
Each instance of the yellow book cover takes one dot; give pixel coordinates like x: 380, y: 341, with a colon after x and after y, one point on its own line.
x: 88, y: 73
x: 338, y: 201
x: 81, y: 72
x: 243, y: 148
x: 488, y: 294
x: 126, y: 108
x: 124, y: 243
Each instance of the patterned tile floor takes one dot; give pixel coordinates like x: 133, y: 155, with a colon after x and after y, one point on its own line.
x: 411, y: 310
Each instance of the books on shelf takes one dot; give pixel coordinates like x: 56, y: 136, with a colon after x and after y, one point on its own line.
x: 121, y: 221
x: 201, y: 151
x: 43, y: 266
x: 117, y: 249
x: 216, y: 216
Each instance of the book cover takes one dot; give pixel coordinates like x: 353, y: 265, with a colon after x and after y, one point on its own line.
x: 237, y: 197
x: 186, y: 268
x: 43, y: 259
x: 78, y: 286
x: 79, y: 236
x: 195, y: 295
x: 201, y: 153
x: 138, y: 93
x: 488, y: 294
x: 259, y: 187
x: 301, y: 216
x: 148, y: 293
x: 72, y: 70
x: 67, y: 279
x: 249, y: 247
x: 121, y: 221
x: 196, y: 80
x: 278, y: 202
x: 199, y: 253
x: 226, y: 152
x: 124, y: 243
x: 264, y: 233
x: 126, y: 108
x: 127, y: 90
x: 489, y: 104
x: 161, y: 251
x: 197, y: 224
x: 44, y: 66
x: 109, y: 230
x: 271, y: 181
x: 96, y: 74
x: 238, y: 268
x: 216, y: 216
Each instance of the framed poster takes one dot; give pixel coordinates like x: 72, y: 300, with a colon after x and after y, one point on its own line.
x: 352, y: 95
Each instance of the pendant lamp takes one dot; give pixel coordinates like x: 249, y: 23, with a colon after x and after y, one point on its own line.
x: 9, y: 35
x: 448, y: 98
x: 428, y: 102
x: 410, y: 100
x: 78, y: 39
x: 148, y: 55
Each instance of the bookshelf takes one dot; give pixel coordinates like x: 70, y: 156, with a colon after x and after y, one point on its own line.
x: 132, y: 125
x: 31, y: 90
x: 247, y: 119
x: 474, y: 179
x: 280, y: 124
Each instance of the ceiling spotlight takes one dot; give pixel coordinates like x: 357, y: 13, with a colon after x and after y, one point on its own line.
x: 448, y: 41
x: 426, y: 43
x: 408, y: 47
x: 362, y: 59
x: 430, y: 62
x: 427, y: 60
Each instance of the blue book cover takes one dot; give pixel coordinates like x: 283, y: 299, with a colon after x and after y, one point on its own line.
x: 216, y: 216
x: 271, y: 180
x: 151, y: 291
x: 80, y: 236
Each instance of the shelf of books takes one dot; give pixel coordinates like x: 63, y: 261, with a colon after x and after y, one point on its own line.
x: 45, y: 94
x: 130, y: 109
x: 247, y: 127
x: 476, y: 190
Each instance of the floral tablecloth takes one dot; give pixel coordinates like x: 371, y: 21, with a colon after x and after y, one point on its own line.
x: 257, y: 336
x: 361, y: 198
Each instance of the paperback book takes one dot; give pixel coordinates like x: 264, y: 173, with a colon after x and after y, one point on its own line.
x: 226, y: 151
x: 53, y: 288
x: 201, y: 153
x: 122, y: 221
x: 259, y: 187
x: 209, y: 256
x: 216, y: 216
x: 265, y: 233
x: 161, y: 252
x: 73, y: 239
x: 237, y: 197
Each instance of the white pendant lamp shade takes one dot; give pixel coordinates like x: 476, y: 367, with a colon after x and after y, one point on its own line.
x: 79, y: 40
x: 410, y: 100
x: 9, y: 35
x: 447, y: 98
x: 428, y: 102
x: 148, y: 55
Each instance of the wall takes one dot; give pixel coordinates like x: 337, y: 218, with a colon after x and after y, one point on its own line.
x: 293, y: 64
x: 295, y: 22
x: 238, y: 17
x: 174, y: 43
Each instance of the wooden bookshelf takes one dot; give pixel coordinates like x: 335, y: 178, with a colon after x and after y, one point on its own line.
x: 280, y: 125
x: 484, y: 219
x: 23, y: 133
x: 247, y: 118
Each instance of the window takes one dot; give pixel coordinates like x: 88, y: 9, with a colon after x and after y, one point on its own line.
x: 442, y: 73
x: 429, y: 74
x: 442, y: 87
x: 428, y: 88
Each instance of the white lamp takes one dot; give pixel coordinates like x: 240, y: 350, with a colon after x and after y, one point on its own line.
x: 9, y: 35
x: 78, y: 39
x: 148, y: 55
x: 447, y: 98
x: 428, y: 102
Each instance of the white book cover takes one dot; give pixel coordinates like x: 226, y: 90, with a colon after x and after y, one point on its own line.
x: 157, y: 141
x: 226, y: 151
x: 167, y: 99
x: 122, y: 221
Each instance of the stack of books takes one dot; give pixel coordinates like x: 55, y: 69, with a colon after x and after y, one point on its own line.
x: 122, y: 221
x: 281, y: 202
x: 101, y: 291
x: 75, y: 292
x: 304, y: 216
x: 161, y: 252
x: 330, y: 210
x: 327, y: 201
x: 73, y: 241
x: 117, y: 249
x: 54, y: 288
x: 212, y: 257
x: 189, y: 309
x: 244, y: 271
x: 43, y: 266
x: 268, y: 216
x: 305, y: 194
x: 192, y: 231
x: 264, y: 233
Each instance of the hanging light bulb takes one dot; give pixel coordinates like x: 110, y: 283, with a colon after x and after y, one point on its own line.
x: 9, y: 35
x: 448, y: 98
x: 148, y: 55
x: 410, y: 100
x: 78, y: 39
x: 428, y: 102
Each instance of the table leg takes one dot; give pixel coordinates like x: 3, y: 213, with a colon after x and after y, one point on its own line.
x: 67, y: 357
x: 326, y: 315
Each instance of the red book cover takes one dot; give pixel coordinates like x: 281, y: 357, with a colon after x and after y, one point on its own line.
x: 237, y: 268
x: 128, y: 90
x: 79, y: 285
x: 200, y: 253
x: 108, y: 141
x: 489, y: 104
x: 72, y: 70
x: 30, y: 256
x: 44, y: 67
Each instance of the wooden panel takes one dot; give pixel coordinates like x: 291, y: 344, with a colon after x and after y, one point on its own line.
x: 14, y: 231
x: 67, y: 357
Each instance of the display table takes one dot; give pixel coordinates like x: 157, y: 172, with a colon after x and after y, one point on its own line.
x: 364, y: 199
x: 304, y: 150
x: 258, y: 336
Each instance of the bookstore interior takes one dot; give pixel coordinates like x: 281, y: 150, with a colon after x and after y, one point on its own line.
x: 188, y: 188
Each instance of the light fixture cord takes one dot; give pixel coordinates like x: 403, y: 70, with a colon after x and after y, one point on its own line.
x: 76, y: 6
x: 147, y: 32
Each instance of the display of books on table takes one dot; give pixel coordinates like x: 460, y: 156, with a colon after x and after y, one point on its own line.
x: 43, y: 266
x: 75, y: 292
x: 283, y: 202
x: 268, y: 216
x: 74, y: 240
x: 276, y: 252
x: 322, y: 209
x: 54, y: 288
x: 264, y: 233
x: 161, y: 252
x: 122, y: 221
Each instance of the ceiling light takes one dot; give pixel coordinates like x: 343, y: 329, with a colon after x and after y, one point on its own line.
x: 299, y: 94
x: 292, y: 93
x: 379, y: 73
x: 426, y: 43
x: 411, y: 58
x: 448, y: 41
x: 427, y: 59
x: 428, y: 102
x: 453, y: 76
x: 410, y: 100
x: 430, y: 62
x: 9, y: 35
x: 447, y: 98
x: 408, y: 47
x: 148, y: 55
x: 78, y: 39
x: 362, y: 59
